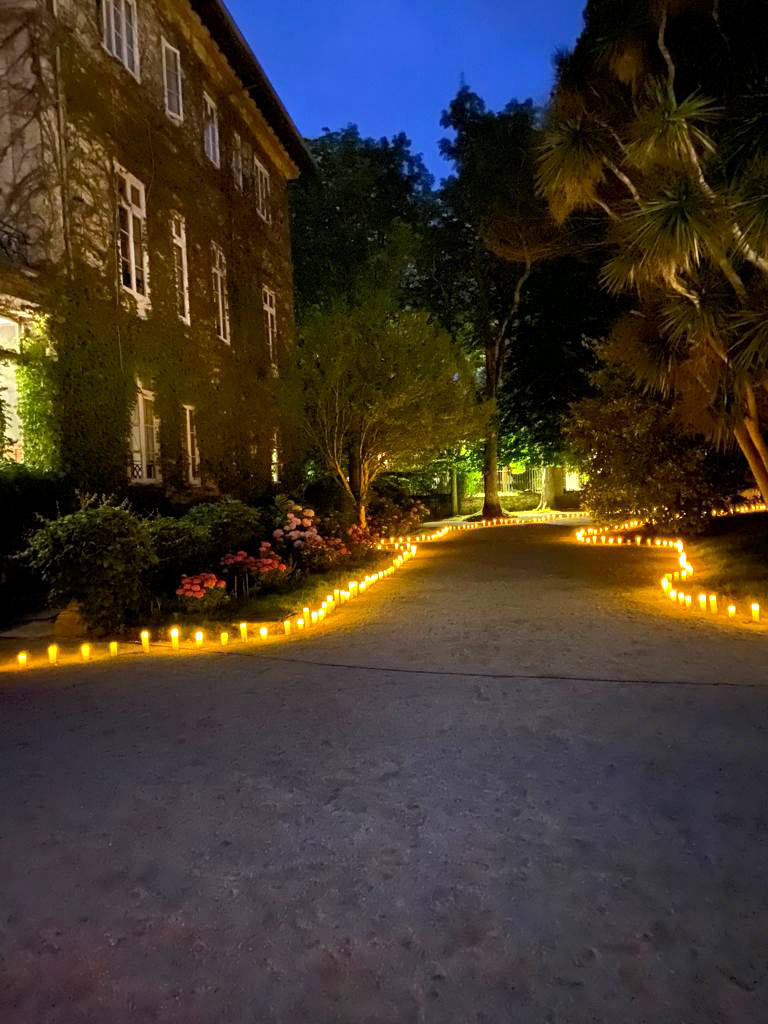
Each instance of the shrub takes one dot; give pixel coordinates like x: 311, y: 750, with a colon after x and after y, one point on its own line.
x: 231, y: 525
x: 180, y: 546
x: 26, y: 496
x: 98, y: 557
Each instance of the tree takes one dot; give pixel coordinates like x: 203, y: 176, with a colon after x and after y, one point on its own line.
x: 659, y: 122
x: 384, y: 389
x: 637, y: 460
x: 342, y: 219
x: 478, y: 293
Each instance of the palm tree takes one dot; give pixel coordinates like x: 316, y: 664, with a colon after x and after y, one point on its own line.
x: 681, y: 181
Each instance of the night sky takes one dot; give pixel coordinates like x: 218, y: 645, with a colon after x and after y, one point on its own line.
x: 393, y: 65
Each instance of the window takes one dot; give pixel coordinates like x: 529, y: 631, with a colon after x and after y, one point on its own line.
x: 220, y: 299
x: 189, y: 444
x: 121, y: 32
x: 144, y: 466
x: 261, y: 182
x: 269, y: 304
x: 11, y: 442
x: 247, y: 165
x: 211, y: 130
x: 132, y: 235
x: 174, y: 103
x: 237, y: 161
x: 181, y: 275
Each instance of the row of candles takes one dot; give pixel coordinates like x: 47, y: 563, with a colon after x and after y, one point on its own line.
x: 403, y: 546
x: 707, y: 603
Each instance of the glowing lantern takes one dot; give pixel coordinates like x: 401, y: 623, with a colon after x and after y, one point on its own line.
x: 113, y: 648
x: 688, y: 600
x: 85, y: 652
x: 263, y: 632
x: 703, y: 602
x: 199, y: 638
x: 731, y: 611
x: 300, y: 623
x: 174, y: 634
x: 144, y: 637
x: 313, y: 618
x: 53, y: 654
x: 243, y: 630
x: 287, y: 627
x: 755, y: 611
x: 21, y: 659
x: 224, y: 638
x: 713, y: 603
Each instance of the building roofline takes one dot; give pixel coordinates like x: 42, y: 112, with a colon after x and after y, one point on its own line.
x: 233, y: 44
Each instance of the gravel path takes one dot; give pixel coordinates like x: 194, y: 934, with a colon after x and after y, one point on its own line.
x: 512, y: 785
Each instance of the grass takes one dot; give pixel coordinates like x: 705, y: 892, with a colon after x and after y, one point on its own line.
x: 733, y: 557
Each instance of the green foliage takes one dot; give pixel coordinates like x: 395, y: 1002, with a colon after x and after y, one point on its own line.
x: 35, y: 381
x: 638, y: 462
x: 384, y: 389
x: 98, y: 557
x: 26, y: 496
x: 181, y: 546
x: 230, y: 525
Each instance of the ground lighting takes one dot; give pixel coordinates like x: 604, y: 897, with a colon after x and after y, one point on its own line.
x: 405, y: 551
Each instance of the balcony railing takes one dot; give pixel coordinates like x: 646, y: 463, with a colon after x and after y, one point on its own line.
x: 13, y: 243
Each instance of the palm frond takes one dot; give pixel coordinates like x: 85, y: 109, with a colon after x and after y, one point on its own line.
x: 570, y: 165
x: 668, y: 133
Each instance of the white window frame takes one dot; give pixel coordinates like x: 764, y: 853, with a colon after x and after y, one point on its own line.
x: 142, y: 469
x: 120, y: 36
x: 132, y: 210
x: 171, y: 51
x: 237, y: 161
x: 269, y: 306
x: 263, y: 187
x: 179, y: 244
x: 211, y: 130
x: 191, y: 447
x: 220, y: 294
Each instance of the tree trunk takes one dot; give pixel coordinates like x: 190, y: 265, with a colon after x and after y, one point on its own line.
x: 454, y: 492
x: 491, y: 502
x: 752, y: 455
x: 552, y: 486
x: 356, y: 482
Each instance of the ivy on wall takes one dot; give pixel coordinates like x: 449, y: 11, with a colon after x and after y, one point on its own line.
x: 81, y: 360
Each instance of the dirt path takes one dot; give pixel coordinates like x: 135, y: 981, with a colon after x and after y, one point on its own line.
x: 455, y: 806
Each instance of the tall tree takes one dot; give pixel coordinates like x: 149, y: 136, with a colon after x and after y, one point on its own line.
x: 478, y: 293
x: 659, y: 122
x: 343, y: 218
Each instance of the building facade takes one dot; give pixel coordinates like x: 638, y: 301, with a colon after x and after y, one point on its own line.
x: 146, y: 310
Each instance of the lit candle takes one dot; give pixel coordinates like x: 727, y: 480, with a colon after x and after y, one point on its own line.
x: 731, y: 611
x: 313, y: 618
x: 21, y: 659
x: 224, y: 638
x: 199, y: 638
x: 263, y: 632
x: 713, y: 603
x: 175, y: 638
x: 755, y: 611
x: 664, y: 584
x: 305, y: 613
x: 703, y: 602
x: 53, y: 654
x: 688, y: 600
x: 144, y: 636
x: 673, y: 595
x: 85, y: 652
x: 287, y: 627
x: 300, y: 623
x: 113, y: 648
x: 243, y: 630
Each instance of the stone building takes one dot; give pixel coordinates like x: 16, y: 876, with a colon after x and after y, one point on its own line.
x: 146, y: 312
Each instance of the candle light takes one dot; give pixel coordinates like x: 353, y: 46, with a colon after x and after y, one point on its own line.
x: 263, y: 632
x: 53, y: 654
x: 85, y: 652
x: 144, y: 636
x: 731, y: 611
x: 287, y: 627
x: 199, y: 638
x: 673, y: 595
x: 664, y: 584
x: 703, y: 602
x: 174, y: 634
x: 113, y: 648
x: 21, y: 659
x: 313, y: 618
x: 688, y: 600
x: 305, y: 613
x: 755, y: 611
x: 300, y: 623
x: 243, y: 631
x: 224, y: 638
x: 713, y: 603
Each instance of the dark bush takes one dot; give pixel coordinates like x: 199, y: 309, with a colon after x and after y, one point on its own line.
x: 181, y: 547
x: 231, y: 525
x: 99, y: 557
x: 26, y: 497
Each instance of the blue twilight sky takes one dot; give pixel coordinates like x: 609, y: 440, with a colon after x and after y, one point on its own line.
x: 393, y: 65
